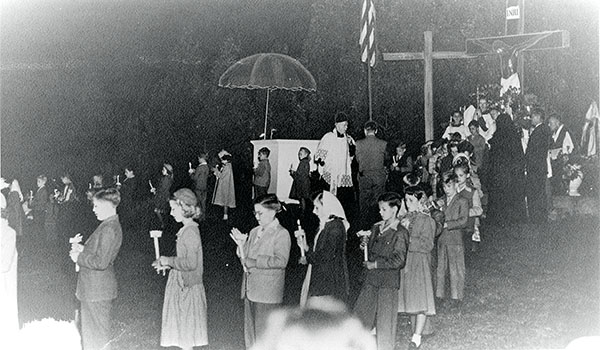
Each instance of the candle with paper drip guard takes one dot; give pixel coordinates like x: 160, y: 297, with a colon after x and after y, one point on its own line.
x: 156, y: 234
x: 303, y: 237
x: 118, y: 183
x: 152, y: 189
x: 364, y: 235
x: 76, y: 246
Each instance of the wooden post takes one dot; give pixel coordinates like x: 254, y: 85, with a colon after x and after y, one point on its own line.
x: 428, y: 55
x: 428, y: 86
x: 369, y: 87
x: 521, y: 58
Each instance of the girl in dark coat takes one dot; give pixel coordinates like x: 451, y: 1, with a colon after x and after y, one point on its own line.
x: 301, y: 184
x: 327, y: 274
x: 162, y: 195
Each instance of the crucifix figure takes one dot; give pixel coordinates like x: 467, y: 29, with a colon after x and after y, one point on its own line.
x: 428, y: 55
x: 510, y: 47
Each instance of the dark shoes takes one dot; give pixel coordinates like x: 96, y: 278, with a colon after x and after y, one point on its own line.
x: 412, y: 346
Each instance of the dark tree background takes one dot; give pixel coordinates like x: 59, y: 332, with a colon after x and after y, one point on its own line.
x: 89, y: 86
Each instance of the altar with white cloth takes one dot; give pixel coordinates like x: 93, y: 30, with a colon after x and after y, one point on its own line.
x: 283, y: 157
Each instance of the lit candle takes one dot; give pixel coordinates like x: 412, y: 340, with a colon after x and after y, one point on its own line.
x: 366, y: 253
x: 301, y: 248
x: 190, y: 165
x: 118, y: 183
x: 150, y: 183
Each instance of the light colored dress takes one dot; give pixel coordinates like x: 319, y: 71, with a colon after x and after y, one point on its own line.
x: 184, y: 320
x: 224, y: 190
x: 9, y: 319
x: 415, y: 295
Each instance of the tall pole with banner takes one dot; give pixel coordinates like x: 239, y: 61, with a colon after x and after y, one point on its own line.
x: 515, y: 25
x: 368, y: 45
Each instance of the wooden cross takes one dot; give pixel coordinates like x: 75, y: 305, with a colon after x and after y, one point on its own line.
x: 428, y: 55
x: 508, y: 47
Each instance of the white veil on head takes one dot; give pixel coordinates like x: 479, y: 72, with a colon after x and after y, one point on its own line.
x: 332, y: 206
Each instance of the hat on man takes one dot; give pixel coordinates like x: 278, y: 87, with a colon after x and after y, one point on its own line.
x: 186, y: 196
x: 341, y: 117
x: 169, y: 167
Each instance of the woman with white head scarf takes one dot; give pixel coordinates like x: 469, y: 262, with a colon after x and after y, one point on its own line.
x: 327, y: 274
x: 9, y: 316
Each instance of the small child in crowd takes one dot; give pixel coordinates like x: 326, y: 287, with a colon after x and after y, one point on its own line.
x: 200, y: 177
x: 301, y: 183
x: 466, y: 189
x: 224, y: 194
x: 262, y: 173
x: 386, y: 244
x: 451, y: 254
x: 480, y: 146
x: 456, y: 126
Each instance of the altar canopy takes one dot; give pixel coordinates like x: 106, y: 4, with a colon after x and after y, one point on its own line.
x: 268, y: 71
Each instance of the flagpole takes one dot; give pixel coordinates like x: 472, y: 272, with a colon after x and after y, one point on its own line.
x: 370, y: 92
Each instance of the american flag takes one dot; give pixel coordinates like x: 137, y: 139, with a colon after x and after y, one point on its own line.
x: 367, y: 43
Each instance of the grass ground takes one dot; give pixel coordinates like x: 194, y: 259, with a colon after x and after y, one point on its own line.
x: 527, y: 288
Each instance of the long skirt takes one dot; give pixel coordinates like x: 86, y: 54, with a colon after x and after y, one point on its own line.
x: 184, y: 321
x: 416, y: 285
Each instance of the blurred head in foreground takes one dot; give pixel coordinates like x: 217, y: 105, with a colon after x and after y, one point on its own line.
x: 322, y: 326
x: 48, y: 334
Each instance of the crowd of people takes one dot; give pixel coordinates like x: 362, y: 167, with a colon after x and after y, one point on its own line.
x: 417, y: 219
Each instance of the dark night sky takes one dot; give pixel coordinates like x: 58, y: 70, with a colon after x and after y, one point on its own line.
x: 48, y: 124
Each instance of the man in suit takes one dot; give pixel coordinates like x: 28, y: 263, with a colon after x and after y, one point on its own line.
x: 536, y: 163
x: 39, y: 205
x: 96, y: 282
x: 371, y: 154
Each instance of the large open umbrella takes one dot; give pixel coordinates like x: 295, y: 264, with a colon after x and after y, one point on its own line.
x: 269, y: 71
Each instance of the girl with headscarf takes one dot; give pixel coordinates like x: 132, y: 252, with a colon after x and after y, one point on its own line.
x: 327, y: 274
x: 9, y: 317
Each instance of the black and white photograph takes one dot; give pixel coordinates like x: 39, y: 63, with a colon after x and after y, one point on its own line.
x: 299, y: 174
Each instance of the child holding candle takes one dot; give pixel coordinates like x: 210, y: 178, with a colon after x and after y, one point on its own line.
x: 327, y: 274
x: 450, y: 248
x: 96, y: 281
x: 184, y: 321
x: 262, y: 173
x: 377, y: 303
x: 161, y: 198
x: 200, y: 177
x: 416, y: 284
x: 224, y: 194
x: 264, y: 254
x: 301, y: 184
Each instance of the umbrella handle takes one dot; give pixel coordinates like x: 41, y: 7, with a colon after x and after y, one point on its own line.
x: 266, y: 114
